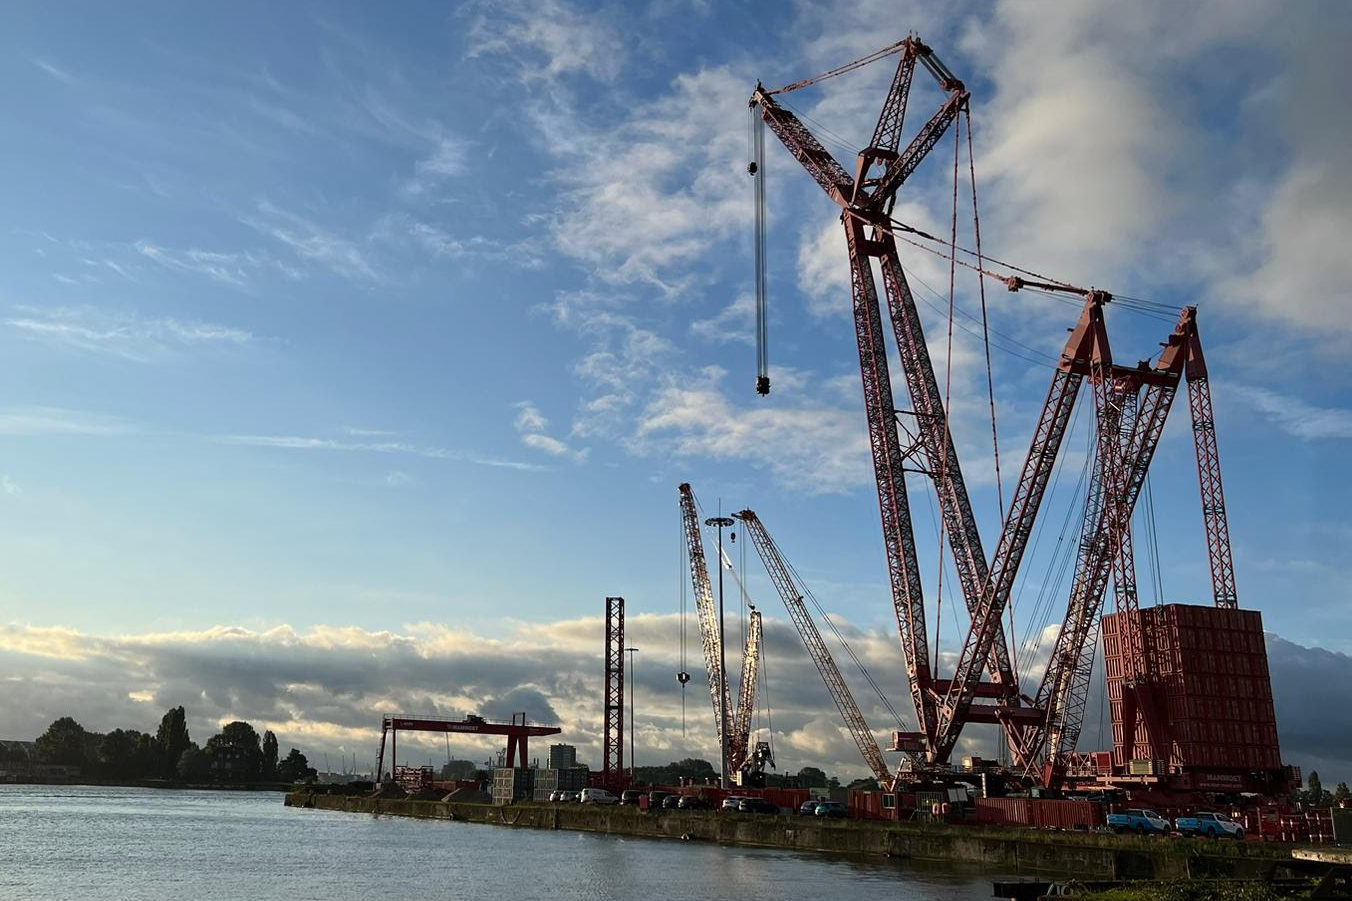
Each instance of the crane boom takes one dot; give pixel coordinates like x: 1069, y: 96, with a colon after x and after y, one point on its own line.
x: 1115, y: 486
x: 705, y: 608
x: 792, y: 596
x: 867, y: 236
x: 739, y: 743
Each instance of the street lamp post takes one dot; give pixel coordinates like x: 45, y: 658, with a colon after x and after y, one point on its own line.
x: 631, y: 652
x: 725, y: 780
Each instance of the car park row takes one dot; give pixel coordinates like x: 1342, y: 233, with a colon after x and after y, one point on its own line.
x: 661, y: 800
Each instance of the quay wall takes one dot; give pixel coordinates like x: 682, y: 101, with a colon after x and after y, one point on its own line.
x: 1087, y: 856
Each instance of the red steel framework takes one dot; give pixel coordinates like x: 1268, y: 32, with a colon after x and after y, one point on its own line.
x: 518, y: 733
x: 612, y: 746
x: 1131, y: 406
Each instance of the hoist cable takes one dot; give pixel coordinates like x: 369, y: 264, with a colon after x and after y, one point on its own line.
x: 990, y: 375
x: 941, y: 486
x: 859, y: 664
x: 841, y: 70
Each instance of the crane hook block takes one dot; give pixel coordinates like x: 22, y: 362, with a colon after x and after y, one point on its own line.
x: 682, y: 677
x: 762, y: 385
x: 752, y: 168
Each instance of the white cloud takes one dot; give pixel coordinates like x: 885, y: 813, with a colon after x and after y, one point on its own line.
x: 1296, y: 417
x: 735, y: 322
x: 809, y: 446
x: 227, y: 268
x: 533, y: 427
x: 546, y: 39
x: 646, y: 197
x: 299, y: 442
x: 125, y: 335
x: 9, y: 486
x: 312, y: 242
x: 38, y: 420
x: 55, y: 71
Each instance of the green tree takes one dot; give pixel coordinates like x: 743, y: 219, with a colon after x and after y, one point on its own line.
x: 461, y: 769
x: 870, y: 785
x: 62, y: 743
x: 234, y: 753
x: 295, y: 768
x: 173, y: 738
x: 148, y: 758
x: 1315, y: 793
x: 269, y: 755
x: 811, y: 777
x: 193, y: 765
x: 117, y: 754
x: 1342, y: 793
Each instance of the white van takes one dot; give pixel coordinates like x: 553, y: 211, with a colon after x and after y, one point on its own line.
x: 598, y: 796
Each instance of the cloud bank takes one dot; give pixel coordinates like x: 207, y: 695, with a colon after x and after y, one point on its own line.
x: 325, y: 689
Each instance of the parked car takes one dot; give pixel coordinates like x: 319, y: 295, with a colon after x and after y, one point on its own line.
x: 733, y: 802
x: 1142, y: 822
x: 554, y: 796
x: 656, y: 799
x: 568, y: 797
x: 672, y: 802
x: 692, y: 802
x: 630, y: 797
x: 809, y: 808
x: 836, y: 810
x: 757, y: 805
x: 598, y: 796
x: 1209, y: 825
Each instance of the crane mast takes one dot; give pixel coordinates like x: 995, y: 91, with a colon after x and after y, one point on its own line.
x: 706, y: 610
x: 739, y: 718
x: 866, y: 199
x: 739, y: 744
x: 792, y: 596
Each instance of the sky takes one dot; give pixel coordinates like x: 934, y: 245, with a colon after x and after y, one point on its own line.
x: 353, y: 356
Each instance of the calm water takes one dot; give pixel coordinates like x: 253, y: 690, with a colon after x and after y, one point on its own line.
x: 113, y: 843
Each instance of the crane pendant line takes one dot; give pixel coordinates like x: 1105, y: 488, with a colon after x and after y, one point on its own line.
x: 792, y: 596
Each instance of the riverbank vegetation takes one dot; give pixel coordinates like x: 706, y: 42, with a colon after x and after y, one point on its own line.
x: 235, y: 755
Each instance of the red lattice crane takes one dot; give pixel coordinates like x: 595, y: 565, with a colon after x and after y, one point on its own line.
x: 866, y: 200
x: 739, y: 717
x: 792, y: 595
x: 612, y: 742
x: 1131, y: 405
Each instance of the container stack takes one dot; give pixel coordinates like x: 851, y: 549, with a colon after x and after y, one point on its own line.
x: 512, y: 784
x: 1211, y: 685
x: 573, y: 779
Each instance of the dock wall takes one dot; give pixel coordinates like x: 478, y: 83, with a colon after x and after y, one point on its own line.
x: 1006, y: 850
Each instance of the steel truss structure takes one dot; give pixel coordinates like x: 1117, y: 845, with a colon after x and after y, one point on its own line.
x: 739, y: 717
x: 1131, y: 405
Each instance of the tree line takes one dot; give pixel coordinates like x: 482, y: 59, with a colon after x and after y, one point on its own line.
x: 236, y: 754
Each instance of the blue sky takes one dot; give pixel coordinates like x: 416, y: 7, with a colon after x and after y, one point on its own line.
x: 328, y: 316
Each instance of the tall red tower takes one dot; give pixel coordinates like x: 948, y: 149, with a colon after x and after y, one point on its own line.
x: 612, y: 767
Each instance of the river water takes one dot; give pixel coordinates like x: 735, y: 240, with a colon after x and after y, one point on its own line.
x: 77, y: 842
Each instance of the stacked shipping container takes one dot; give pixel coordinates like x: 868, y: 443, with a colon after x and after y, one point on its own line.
x: 1213, y: 688
x: 573, y: 779
x: 512, y: 784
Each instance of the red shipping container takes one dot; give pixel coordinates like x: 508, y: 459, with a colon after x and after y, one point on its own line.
x: 1213, y: 687
x: 1003, y: 812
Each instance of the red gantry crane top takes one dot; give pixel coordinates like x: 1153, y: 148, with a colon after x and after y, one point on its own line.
x: 518, y: 733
